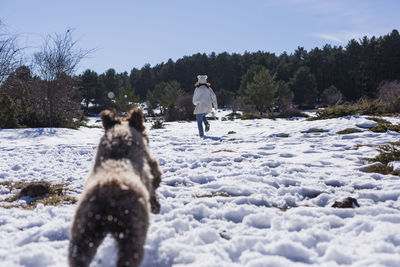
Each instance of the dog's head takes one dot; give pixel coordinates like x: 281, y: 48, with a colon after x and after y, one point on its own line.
x: 125, y: 138
x: 134, y: 118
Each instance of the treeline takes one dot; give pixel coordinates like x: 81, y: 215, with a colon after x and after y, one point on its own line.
x: 322, y: 75
x: 48, y: 93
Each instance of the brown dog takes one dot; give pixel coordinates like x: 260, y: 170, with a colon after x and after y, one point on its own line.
x: 119, y: 193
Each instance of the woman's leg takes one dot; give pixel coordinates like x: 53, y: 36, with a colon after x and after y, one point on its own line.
x: 206, y: 123
x: 199, y: 118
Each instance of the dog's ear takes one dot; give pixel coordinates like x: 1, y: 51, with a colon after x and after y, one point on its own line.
x: 136, y: 119
x: 109, y: 119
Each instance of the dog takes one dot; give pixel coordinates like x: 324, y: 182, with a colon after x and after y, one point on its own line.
x: 119, y: 193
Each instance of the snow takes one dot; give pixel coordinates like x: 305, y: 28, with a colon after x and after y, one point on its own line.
x: 260, y: 196
x: 395, y: 165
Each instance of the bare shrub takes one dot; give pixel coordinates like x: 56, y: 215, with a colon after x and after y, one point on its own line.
x: 330, y: 96
x: 182, y: 110
x: 9, y: 53
x: 389, y: 92
x: 56, y: 63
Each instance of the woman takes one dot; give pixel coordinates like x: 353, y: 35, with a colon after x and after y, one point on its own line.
x: 205, y: 100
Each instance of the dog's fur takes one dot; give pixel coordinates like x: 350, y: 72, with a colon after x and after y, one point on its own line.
x: 119, y: 193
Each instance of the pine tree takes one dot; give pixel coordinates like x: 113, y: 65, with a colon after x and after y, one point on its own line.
x: 261, y: 91
x: 7, y: 112
x: 126, y: 99
x: 304, y: 87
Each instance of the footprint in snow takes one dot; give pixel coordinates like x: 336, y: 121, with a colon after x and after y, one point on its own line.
x: 248, y: 155
x: 287, y: 155
x: 270, y: 147
x: 202, y: 179
x: 310, y: 151
x: 16, y: 168
x: 271, y: 164
x: 348, y: 137
x: 334, y: 183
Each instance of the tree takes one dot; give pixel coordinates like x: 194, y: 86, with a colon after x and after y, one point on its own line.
x: 59, y: 56
x: 56, y: 62
x: 9, y: 53
x: 165, y: 95
x: 88, y: 86
x: 225, y: 97
x: 20, y: 86
x: 330, y: 96
x: 126, y: 99
x: 284, y: 96
x: 144, y: 81
x: 304, y: 87
x: 7, y: 112
x: 261, y: 91
x: 249, y: 77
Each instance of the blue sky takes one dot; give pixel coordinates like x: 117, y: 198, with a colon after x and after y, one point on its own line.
x: 128, y: 34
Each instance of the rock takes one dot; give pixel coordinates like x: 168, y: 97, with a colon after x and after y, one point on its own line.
x: 347, y: 203
x: 35, y: 189
x: 224, y: 234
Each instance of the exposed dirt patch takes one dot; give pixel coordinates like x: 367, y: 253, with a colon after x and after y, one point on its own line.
x: 29, y: 194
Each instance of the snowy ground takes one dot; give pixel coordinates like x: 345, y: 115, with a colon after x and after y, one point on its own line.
x: 248, y: 198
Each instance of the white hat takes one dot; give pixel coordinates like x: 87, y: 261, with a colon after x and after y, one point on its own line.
x: 202, y: 79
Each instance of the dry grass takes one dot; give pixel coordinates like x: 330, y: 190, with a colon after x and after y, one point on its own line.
x: 252, y: 116
x: 357, y: 146
x: 234, y: 139
x: 315, y: 131
x: 364, y: 106
x: 387, y: 153
x: 349, y: 131
x: 37, y: 192
x: 282, y: 135
x: 222, y: 150
x: 210, y: 195
x: 383, y: 126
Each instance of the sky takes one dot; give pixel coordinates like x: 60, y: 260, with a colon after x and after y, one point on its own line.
x: 129, y: 34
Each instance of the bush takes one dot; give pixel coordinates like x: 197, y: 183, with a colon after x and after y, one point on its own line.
x: 252, y: 116
x: 182, y: 110
x: 387, y: 153
x: 383, y: 126
x: 389, y: 92
x: 290, y: 111
x: 157, y: 124
x: 363, y: 106
x: 330, y: 96
x: 232, y: 116
x: 7, y: 112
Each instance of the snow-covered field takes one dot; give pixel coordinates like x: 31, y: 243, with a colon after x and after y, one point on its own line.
x: 242, y: 196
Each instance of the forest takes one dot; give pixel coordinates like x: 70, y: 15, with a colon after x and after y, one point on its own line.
x: 254, y: 81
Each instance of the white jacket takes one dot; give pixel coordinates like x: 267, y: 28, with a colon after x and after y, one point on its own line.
x: 204, y: 99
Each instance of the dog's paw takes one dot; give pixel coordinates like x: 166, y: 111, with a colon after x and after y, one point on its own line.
x: 155, y: 205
